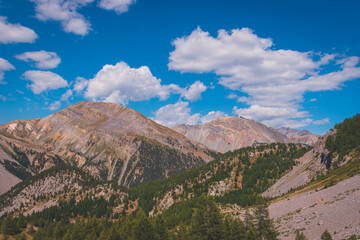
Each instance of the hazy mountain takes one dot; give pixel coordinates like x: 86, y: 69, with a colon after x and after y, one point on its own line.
x: 229, y: 133
x: 109, y: 140
x: 299, y: 136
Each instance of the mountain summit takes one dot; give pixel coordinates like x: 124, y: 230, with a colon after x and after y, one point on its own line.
x: 109, y: 140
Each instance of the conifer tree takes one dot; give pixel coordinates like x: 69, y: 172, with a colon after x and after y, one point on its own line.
x: 143, y: 228
x: 206, y: 222
x: 326, y: 235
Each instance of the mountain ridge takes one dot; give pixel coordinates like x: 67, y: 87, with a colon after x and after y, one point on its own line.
x: 110, y: 141
x: 230, y: 133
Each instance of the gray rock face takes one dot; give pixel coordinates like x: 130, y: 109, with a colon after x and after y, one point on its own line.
x: 110, y: 141
x: 229, y: 133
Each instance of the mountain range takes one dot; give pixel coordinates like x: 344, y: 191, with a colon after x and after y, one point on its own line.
x: 115, y: 142
x: 105, y: 160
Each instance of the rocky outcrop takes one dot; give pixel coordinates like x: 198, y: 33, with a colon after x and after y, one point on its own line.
x: 229, y: 133
x: 110, y: 141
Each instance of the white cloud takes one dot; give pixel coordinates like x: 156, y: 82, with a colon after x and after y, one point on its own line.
x: 174, y: 114
x: 64, y: 98
x: 119, y: 6
x: 274, y: 80
x: 261, y: 113
x: 120, y: 83
x: 313, y: 100
x: 4, y: 66
x: 212, y: 115
x: 238, y: 98
x: 80, y: 84
x: 66, y: 95
x: 15, y: 33
x: 44, y: 80
x: 64, y: 11
x: 321, y: 122
x: 180, y: 113
x: 193, y: 93
x: 42, y: 59
x: 55, y: 106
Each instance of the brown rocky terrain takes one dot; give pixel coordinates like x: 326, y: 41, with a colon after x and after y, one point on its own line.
x: 109, y: 140
x: 229, y: 133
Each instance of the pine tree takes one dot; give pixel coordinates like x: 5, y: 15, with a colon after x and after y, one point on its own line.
x: 143, y: 228
x: 182, y: 232
x: 300, y: 235
x: 206, y: 223
x: 161, y: 230
x: 265, y: 227
x: 326, y: 236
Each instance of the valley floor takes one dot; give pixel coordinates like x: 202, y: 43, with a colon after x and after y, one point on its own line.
x: 336, y: 208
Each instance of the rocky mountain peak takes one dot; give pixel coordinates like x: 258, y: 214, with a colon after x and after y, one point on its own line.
x: 230, y: 133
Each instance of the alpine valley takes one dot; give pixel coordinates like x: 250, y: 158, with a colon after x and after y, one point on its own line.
x: 104, y: 171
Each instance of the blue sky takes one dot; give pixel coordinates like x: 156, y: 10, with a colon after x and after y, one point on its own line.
x: 282, y: 63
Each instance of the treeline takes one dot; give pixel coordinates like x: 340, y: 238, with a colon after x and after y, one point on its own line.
x: 347, y: 136
x: 257, y: 167
x: 85, y: 180
x: 205, y: 222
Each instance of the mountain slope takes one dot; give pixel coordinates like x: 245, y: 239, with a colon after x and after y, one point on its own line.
x: 229, y: 133
x: 333, y: 150
x: 323, y: 191
x: 109, y: 140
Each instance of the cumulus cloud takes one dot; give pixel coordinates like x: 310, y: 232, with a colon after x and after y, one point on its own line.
x: 193, y: 93
x: 119, y: 6
x: 4, y: 66
x: 44, y: 80
x: 64, y: 11
x: 274, y: 80
x: 42, y: 59
x: 174, y: 114
x: 321, y: 122
x: 212, y: 115
x: 15, y: 33
x: 120, y: 83
x: 80, y: 84
x: 180, y: 113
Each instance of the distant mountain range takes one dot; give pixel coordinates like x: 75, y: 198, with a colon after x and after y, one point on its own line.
x: 114, y: 142
x: 230, y: 133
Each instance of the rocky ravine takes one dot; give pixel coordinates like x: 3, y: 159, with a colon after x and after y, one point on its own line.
x: 109, y: 140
